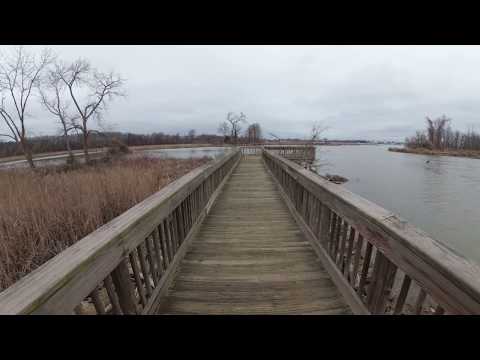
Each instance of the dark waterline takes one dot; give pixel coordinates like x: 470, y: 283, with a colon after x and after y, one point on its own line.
x: 441, y: 197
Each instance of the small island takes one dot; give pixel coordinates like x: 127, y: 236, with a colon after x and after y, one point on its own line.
x: 441, y: 140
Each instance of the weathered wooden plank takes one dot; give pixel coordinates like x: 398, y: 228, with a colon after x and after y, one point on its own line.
x: 124, y: 289
x: 420, y: 300
x: 402, y: 296
x: 136, y: 272
x: 356, y: 260
x: 145, y: 269
x: 365, y: 268
x: 97, y: 302
x: 117, y: 310
x: 349, y: 251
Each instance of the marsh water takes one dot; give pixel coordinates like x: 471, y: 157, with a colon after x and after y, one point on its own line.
x: 177, y: 153
x: 187, y: 153
x: 438, y: 194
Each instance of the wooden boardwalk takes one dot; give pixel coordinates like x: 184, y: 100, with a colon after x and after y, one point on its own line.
x: 250, y: 257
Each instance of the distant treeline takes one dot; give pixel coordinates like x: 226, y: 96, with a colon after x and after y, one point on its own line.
x: 42, y: 144
x: 439, y: 135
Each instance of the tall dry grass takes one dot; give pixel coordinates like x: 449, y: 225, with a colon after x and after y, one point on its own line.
x: 43, y: 212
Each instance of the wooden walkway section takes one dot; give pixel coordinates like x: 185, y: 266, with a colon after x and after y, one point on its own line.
x: 250, y: 257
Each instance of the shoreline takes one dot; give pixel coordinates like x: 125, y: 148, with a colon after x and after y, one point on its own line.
x: 60, y: 154
x: 472, y: 154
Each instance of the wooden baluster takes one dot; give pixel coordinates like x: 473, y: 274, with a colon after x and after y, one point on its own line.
x: 112, y: 296
x: 383, y: 270
x: 336, y: 238
x: 168, y: 243
x: 324, y: 225
x: 304, y: 212
x: 143, y: 265
x: 332, y: 233
x: 163, y: 244
x: 158, y: 252
x: 318, y: 218
x: 124, y: 288
x: 180, y: 224
x: 365, y: 267
x: 136, y: 273
x: 420, y: 300
x: 186, y: 221
x: 173, y: 225
x: 341, y: 251
x: 187, y: 215
x: 349, y: 250
x: 403, y: 295
x: 97, y: 301
x: 152, y: 260
x: 356, y: 259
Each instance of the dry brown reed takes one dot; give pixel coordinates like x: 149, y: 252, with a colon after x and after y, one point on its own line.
x: 43, y: 212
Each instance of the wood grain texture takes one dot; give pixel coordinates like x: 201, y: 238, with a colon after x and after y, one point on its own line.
x: 250, y: 257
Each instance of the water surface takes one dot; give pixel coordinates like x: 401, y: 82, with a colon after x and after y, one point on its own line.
x: 438, y: 194
x: 187, y: 153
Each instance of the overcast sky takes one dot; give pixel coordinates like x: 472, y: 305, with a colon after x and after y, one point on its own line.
x: 368, y: 92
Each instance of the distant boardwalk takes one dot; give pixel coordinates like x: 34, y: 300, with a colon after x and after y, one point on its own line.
x: 250, y: 257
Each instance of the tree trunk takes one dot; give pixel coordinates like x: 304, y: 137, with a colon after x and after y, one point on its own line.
x: 85, y: 147
x: 69, y: 150
x: 28, y: 154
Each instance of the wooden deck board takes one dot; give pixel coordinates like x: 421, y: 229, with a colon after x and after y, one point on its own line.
x: 250, y: 257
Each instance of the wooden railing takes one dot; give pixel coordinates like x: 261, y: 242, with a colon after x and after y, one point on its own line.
x: 380, y: 263
x: 291, y: 152
x: 126, y: 265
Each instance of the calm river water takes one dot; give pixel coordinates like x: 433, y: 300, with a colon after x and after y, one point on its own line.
x: 187, y: 153
x: 441, y: 196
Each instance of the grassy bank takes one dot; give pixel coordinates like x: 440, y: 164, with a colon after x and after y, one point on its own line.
x: 43, y: 212
x: 422, y: 151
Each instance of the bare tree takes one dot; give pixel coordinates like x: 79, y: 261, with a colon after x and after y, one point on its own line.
x: 90, y: 91
x: 55, y: 99
x: 21, y: 72
x: 224, y: 129
x: 436, y: 130
x: 232, y: 126
x: 317, y: 129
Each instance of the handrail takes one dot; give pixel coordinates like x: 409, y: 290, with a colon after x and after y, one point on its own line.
x: 143, y: 243
x: 381, y: 263
x: 292, y: 152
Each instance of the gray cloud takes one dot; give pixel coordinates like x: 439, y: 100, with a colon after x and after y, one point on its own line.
x: 372, y: 92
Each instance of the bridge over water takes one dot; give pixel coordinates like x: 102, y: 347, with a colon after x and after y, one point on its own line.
x: 252, y: 233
